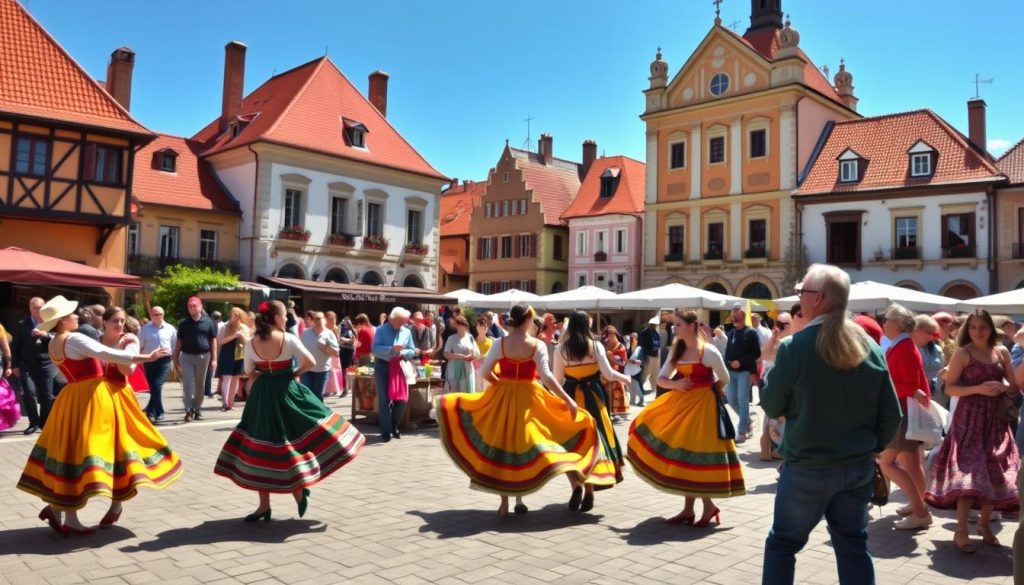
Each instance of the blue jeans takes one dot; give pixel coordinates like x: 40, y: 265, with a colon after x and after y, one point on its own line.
x: 841, y: 495
x: 156, y: 376
x: 738, y: 395
x: 380, y: 374
x: 316, y: 382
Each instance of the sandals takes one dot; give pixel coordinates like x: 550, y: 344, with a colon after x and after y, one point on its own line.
x: 986, y: 535
x: 965, y: 545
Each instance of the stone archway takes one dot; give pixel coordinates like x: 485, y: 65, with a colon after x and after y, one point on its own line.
x: 337, y: 275
x: 372, y: 277
x: 557, y: 288
x: 291, y: 270
x: 961, y: 290
x: 910, y: 285
x: 756, y: 290
x: 413, y: 280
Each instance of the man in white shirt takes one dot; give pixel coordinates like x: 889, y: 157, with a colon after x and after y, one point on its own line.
x: 763, y: 333
x: 153, y: 335
x: 321, y: 342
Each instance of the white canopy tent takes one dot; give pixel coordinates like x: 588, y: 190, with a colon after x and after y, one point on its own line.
x: 465, y: 295
x: 675, y: 296
x: 503, y: 300
x: 1011, y: 302
x: 870, y: 296
x: 584, y: 298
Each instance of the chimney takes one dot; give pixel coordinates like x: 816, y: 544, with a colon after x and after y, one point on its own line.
x: 379, y: 91
x: 545, y: 148
x: 119, y: 76
x: 234, y: 83
x: 589, y: 156
x: 976, y: 123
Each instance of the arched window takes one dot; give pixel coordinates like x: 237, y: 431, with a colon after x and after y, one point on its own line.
x: 716, y: 287
x: 756, y: 290
x: 336, y: 275
x: 291, y: 271
x: 372, y: 277
x: 413, y: 280
x: 557, y: 288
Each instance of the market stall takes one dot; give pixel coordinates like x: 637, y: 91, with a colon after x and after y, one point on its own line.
x: 363, y: 386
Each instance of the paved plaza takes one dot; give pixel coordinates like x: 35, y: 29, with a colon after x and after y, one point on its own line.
x: 402, y: 513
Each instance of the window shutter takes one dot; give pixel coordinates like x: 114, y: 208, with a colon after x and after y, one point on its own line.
x: 89, y: 162
x: 533, y: 286
x: 533, y: 245
x: 479, y: 248
x: 157, y: 162
x: 516, y: 242
x: 360, y: 227
x: 971, y: 221
x: 494, y: 247
x: 480, y: 287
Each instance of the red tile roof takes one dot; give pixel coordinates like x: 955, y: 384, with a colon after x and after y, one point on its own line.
x: 554, y: 183
x: 192, y: 185
x: 766, y: 42
x: 628, y: 197
x: 457, y: 205
x: 38, y: 78
x: 304, y: 108
x: 1012, y: 163
x: 884, y: 141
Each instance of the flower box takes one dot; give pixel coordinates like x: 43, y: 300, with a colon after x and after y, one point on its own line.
x: 375, y: 243
x: 417, y: 249
x: 295, y: 232
x: 341, y: 240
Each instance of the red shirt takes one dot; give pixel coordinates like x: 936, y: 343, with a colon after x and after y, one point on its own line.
x: 364, y: 335
x: 907, y: 368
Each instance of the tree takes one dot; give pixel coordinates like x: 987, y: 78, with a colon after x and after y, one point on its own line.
x: 176, y: 283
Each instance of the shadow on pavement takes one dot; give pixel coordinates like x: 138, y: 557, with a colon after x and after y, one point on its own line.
x: 988, y: 561
x: 457, y: 523
x: 45, y: 541
x: 656, y: 531
x: 235, y: 529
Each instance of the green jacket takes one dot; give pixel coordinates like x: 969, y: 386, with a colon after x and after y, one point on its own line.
x: 833, y: 417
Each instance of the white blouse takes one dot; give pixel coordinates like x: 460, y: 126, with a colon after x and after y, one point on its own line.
x: 292, y: 348
x: 540, y: 358
x: 80, y: 346
x: 711, y: 359
x: 601, y: 357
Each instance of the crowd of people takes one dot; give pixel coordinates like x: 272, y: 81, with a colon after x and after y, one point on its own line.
x: 527, y: 397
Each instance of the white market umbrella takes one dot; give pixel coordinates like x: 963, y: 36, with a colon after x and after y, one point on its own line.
x: 503, y: 299
x: 870, y: 296
x: 465, y: 295
x: 675, y: 296
x: 1011, y: 302
x: 584, y: 298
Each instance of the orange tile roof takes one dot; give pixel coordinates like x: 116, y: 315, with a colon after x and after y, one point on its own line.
x: 1012, y: 163
x: 304, y: 107
x: 192, y: 185
x: 554, y: 184
x: 456, y: 207
x: 884, y: 141
x: 453, y: 265
x: 38, y: 78
x: 628, y: 197
x: 766, y: 42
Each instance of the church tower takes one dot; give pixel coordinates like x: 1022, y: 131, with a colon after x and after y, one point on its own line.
x: 765, y: 14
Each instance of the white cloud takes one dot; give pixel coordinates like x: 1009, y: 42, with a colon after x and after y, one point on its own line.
x: 996, y: 146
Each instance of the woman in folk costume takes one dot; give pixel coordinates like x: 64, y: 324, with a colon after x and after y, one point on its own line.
x: 287, y: 439
x: 141, y: 452
x: 513, y: 438
x: 617, y: 357
x: 675, y: 443
x: 75, y: 456
x: 460, y: 350
x: 580, y: 363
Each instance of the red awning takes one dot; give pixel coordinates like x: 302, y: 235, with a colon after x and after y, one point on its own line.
x: 24, y: 267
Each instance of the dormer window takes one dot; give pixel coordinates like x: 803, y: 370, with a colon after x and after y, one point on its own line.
x: 609, y: 178
x: 355, y: 133
x: 922, y: 159
x: 168, y: 162
x: 851, y: 166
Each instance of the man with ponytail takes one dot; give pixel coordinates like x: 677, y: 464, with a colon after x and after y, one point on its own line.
x: 832, y: 384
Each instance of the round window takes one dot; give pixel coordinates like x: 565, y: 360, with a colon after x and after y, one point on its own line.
x: 719, y: 84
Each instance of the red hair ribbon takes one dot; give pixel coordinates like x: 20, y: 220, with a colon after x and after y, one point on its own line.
x: 264, y: 307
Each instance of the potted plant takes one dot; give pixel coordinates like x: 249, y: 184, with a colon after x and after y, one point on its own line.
x: 341, y: 240
x: 418, y: 249
x: 295, y: 232
x: 375, y: 242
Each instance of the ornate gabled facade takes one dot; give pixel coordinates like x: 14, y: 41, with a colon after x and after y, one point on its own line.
x: 726, y: 137
x: 329, y: 190
x: 67, y: 148
x: 1010, y: 220
x: 457, y: 204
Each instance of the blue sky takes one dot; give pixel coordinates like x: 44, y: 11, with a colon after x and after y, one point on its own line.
x: 465, y: 74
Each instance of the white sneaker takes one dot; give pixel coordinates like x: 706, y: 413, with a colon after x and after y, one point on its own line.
x: 741, y: 438
x: 913, y: 522
x: 905, y: 510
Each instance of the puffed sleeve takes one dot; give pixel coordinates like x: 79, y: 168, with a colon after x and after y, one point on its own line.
x: 713, y: 360
x: 298, y: 350
x: 80, y: 346
x: 667, y: 368
x: 540, y: 357
x: 133, y: 348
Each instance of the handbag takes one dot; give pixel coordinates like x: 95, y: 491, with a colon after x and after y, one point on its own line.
x: 726, y: 430
x: 880, y: 497
x: 927, y: 425
x: 239, y: 350
x: 409, y: 371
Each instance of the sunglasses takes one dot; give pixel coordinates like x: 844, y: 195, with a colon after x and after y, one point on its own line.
x: 781, y: 325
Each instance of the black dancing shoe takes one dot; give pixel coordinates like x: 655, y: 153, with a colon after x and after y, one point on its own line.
x: 588, y: 502
x: 577, y: 497
x: 257, y: 516
x: 304, y: 502
x: 521, y: 509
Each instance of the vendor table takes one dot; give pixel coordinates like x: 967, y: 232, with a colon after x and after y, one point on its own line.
x: 364, y: 400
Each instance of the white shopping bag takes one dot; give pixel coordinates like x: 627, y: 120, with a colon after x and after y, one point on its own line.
x: 927, y: 425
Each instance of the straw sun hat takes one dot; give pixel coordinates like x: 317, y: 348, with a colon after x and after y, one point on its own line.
x: 54, y: 310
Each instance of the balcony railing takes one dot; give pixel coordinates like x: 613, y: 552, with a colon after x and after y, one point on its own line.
x: 674, y: 257
x: 961, y: 251
x: 341, y: 240
x: 756, y: 252
x: 600, y: 257
x: 1018, y: 251
x: 905, y: 253
x: 139, y: 265
x: 713, y: 253
x: 417, y: 249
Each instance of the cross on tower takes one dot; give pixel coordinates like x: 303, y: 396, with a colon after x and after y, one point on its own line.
x: 734, y: 24
x: 718, y: 11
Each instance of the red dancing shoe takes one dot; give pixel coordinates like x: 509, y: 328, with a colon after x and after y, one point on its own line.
x: 110, y: 518
x: 50, y: 517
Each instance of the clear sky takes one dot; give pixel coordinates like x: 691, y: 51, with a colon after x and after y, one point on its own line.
x: 465, y: 74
